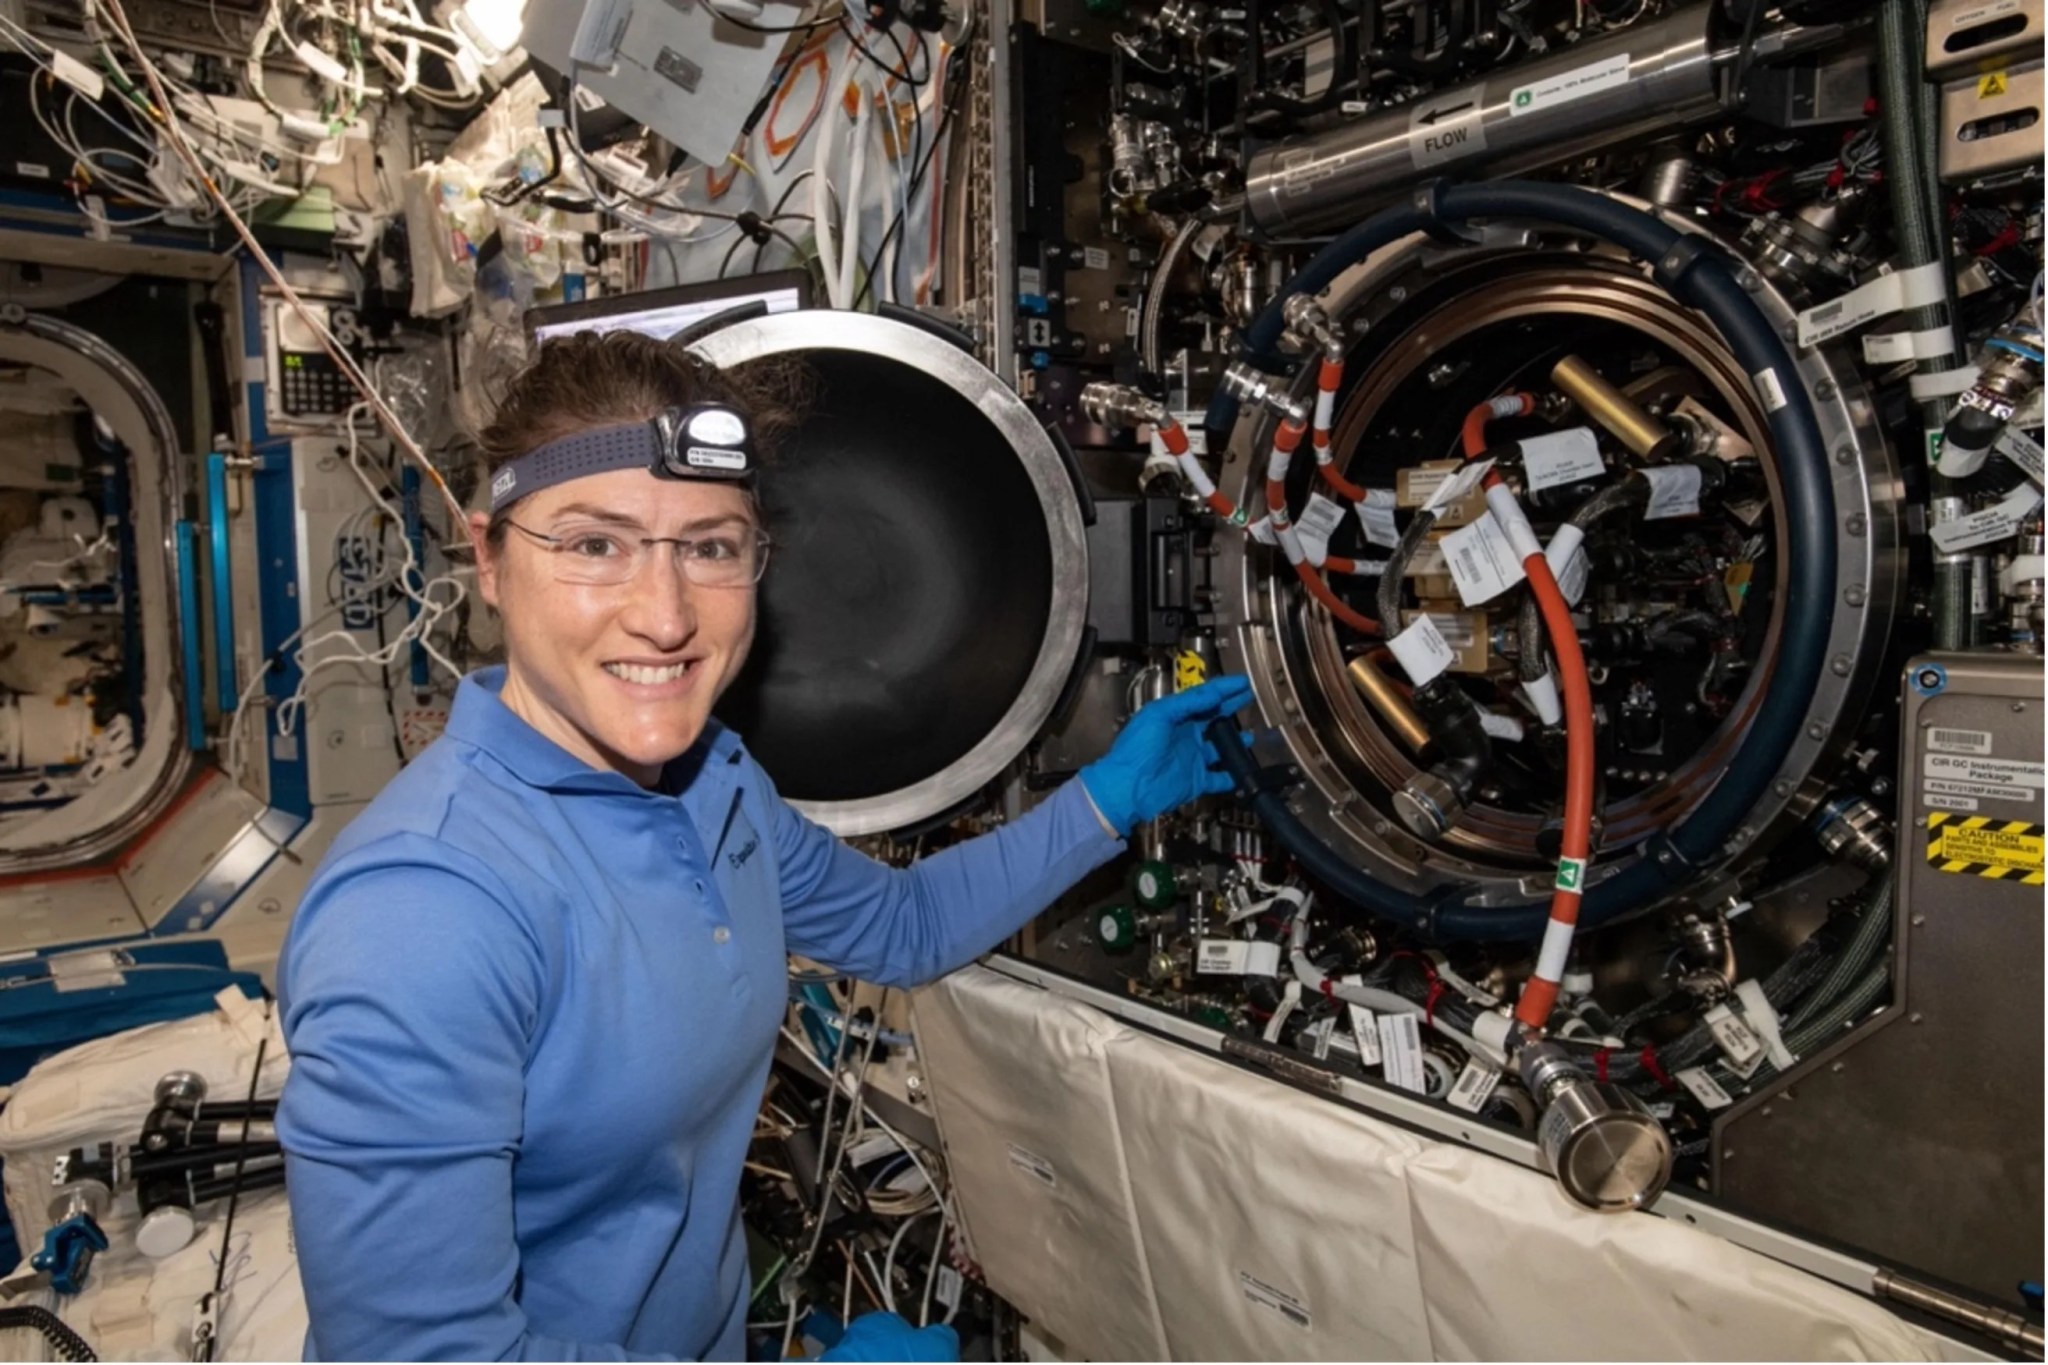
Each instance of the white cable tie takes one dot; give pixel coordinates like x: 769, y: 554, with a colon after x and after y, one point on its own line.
x: 1886, y: 348
x: 1507, y: 510
x: 1277, y: 464
x: 1326, y: 408
x: 1541, y: 695
x: 1945, y: 384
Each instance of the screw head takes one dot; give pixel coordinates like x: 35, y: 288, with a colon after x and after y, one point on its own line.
x: 1915, y: 1017
x: 1857, y: 524
x: 1816, y: 731
x: 1841, y: 665
x: 1854, y: 595
x: 1845, y: 455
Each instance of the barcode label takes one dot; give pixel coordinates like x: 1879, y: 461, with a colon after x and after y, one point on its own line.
x: 1377, y: 514
x: 1704, y: 1088
x: 1475, y: 1086
x: 1959, y: 741
x: 1401, y: 1053
x: 1741, y: 1047
x: 1278, y: 1300
x: 947, y: 1290
x: 1319, y: 521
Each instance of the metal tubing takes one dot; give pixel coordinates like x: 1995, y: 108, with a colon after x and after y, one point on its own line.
x: 1392, y: 707
x: 2006, y: 1328
x: 1599, y: 94
x: 1622, y: 416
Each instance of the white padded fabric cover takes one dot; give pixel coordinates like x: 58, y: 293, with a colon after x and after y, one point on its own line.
x: 1216, y: 1214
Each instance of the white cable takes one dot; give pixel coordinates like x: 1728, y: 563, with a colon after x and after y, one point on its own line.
x: 1373, y: 998
x: 849, y: 259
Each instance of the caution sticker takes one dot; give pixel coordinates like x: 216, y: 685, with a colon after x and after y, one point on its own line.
x: 1978, y: 846
x: 1992, y: 85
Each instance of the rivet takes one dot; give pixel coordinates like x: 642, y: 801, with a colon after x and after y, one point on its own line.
x: 1765, y: 1111
x: 2018, y: 707
x: 1919, y: 920
x: 1857, y: 524
x: 1816, y: 731
x: 1845, y: 455
x: 1824, y: 388
x: 1782, y: 787
x: 1854, y: 595
x: 1840, y: 665
x: 1836, y: 1068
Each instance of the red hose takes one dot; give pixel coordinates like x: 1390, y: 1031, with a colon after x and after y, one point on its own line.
x: 1539, y: 997
x: 1286, y: 440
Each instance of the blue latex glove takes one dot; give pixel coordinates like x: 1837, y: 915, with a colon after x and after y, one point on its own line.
x: 884, y: 1336
x: 1161, y: 759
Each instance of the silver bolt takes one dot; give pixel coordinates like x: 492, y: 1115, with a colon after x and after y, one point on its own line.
x: 1782, y: 787
x: 1766, y: 1111
x: 1398, y: 293
x: 2018, y: 707
x: 1857, y: 524
x: 1790, y: 331
x: 1816, y: 731
x: 1824, y: 388
x: 1919, y: 920
x: 1845, y: 455
x: 1749, y: 280
x: 1840, y: 665
x: 1836, y: 1068
x: 1854, y: 595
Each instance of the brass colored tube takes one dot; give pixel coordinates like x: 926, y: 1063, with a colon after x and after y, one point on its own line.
x: 1649, y: 438
x: 1383, y: 697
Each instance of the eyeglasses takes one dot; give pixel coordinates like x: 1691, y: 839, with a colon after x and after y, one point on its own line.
x: 727, y: 558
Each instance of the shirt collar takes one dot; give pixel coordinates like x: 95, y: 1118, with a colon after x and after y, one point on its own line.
x: 481, y: 718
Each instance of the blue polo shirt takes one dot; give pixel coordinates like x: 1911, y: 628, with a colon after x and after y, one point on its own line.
x: 531, y: 1007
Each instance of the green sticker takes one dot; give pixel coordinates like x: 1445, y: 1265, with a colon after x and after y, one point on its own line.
x: 1571, y: 874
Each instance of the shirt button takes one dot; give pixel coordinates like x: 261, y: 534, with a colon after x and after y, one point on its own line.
x: 721, y: 935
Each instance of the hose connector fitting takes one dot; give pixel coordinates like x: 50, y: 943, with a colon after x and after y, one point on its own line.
x: 1606, y: 1151
x: 1248, y: 385
x: 1309, y: 327
x: 1120, y: 407
x: 1853, y: 830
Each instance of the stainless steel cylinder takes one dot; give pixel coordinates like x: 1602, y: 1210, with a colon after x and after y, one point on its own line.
x: 1599, y: 94
x: 1606, y: 1151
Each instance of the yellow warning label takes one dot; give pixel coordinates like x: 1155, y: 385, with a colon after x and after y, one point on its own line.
x: 1993, y: 84
x: 1977, y: 846
x: 1189, y: 670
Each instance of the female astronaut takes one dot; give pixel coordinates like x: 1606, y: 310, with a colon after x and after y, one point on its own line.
x: 532, y: 992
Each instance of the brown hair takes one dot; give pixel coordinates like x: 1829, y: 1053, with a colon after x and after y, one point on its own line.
x: 590, y: 379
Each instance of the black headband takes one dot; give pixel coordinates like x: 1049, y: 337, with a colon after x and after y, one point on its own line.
x: 703, y: 441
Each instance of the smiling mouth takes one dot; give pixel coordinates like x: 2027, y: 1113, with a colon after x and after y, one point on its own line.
x: 648, y: 675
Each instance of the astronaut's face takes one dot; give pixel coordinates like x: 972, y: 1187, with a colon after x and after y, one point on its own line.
x: 623, y: 674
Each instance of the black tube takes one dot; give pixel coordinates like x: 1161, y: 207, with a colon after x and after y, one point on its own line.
x: 65, y: 1343
x: 1317, y: 858
x: 1706, y: 281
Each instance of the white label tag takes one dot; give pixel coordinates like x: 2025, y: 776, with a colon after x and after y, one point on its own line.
x: 1401, y: 1053
x: 1873, y: 299
x: 1994, y: 772
x: 32, y: 170
x: 1959, y: 741
x: 76, y: 74
x: 1365, y: 1032
x: 2022, y: 449
x: 1262, y: 531
x: 1458, y: 484
x: 1033, y: 1165
x: 1096, y: 258
x: 1561, y: 457
x: 1991, y: 524
x: 1029, y: 281
x: 1674, y: 491
x: 1943, y: 801
x: 947, y: 1290
x: 1474, y: 1088
x: 1222, y: 956
x: 1570, y: 85
x: 1762, y: 1017
x: 1482, y: 562
x: 1320, y: 1033
x: 1887, y: 348
x: 1421, y: 651
x: 1741, y: 1047
x: 1377, y: 514
x: 1704, y: 1088
x: 1279, y: 1300
x: 1318, y: 522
